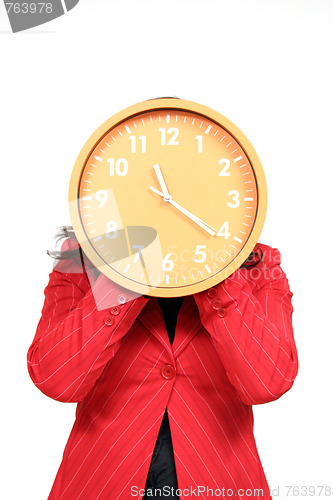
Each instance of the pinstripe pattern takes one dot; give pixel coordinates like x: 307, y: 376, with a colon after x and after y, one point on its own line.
x: 224, y: 364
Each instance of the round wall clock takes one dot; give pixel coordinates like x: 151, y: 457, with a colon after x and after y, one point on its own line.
x: 167, y: 198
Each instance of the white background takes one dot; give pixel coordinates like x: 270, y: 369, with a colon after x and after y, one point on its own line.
x: 267, y: 66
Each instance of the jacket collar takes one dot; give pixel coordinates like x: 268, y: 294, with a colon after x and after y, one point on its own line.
x: 188, y: 324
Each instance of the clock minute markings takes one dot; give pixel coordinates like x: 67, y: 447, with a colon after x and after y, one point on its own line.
x: 238, y: 158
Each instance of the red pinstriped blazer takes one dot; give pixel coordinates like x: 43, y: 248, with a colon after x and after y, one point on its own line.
x: 233, y: 348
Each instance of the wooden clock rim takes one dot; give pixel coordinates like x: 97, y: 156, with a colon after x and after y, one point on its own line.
x: 155, y: 105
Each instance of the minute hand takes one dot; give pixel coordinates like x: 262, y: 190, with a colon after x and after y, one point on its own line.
x: 188, y: 214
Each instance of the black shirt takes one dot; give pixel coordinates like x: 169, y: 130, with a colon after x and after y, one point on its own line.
x: 162, y: 471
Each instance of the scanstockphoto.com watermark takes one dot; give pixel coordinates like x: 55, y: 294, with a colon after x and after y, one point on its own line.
x: 196, y: 491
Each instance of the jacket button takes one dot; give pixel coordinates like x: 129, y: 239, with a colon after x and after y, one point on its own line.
x: 216, y: 304
x: 115, y: 310
x: 212, y: 292
x: 168, y: 372
x: 122, y: 299
x: 109, y: 320
x: 222, y: 312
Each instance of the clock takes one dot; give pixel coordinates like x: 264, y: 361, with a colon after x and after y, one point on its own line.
x: 167, y: 198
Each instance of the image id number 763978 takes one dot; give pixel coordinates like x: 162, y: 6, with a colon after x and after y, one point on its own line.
x: 29, y: 7
x: 301, y: 491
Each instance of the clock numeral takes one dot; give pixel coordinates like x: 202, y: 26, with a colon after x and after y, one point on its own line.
x: 224, y: 230
x: 235, y: 199
x: 202, y: 255
x: 167, y: 263
x: 226, y: 164
x: 172, y: 141
x: 138, y: 254
x: 111, y: 230
x: 199, y: 139
x: 118, y: 167
x: 102, y: 197
x: 143, y: 140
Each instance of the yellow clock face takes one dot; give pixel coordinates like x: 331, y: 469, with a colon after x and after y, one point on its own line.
x: 167, y: 198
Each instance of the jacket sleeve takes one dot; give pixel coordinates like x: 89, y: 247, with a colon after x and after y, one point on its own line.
x: 79, y: 332
x: 249, y: 317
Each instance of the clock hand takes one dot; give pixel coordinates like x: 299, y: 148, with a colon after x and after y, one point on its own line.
x: 194, y: 218
x: 160, y: 178
x: 188, y: 214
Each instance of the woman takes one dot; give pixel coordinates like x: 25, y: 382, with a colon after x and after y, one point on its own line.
x: 156, y: 412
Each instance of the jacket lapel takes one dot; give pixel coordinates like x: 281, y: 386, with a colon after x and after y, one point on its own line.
x: 188, y: 324
x: 152, y: 318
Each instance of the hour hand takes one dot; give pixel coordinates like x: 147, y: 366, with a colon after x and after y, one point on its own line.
x: 160, y: 178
